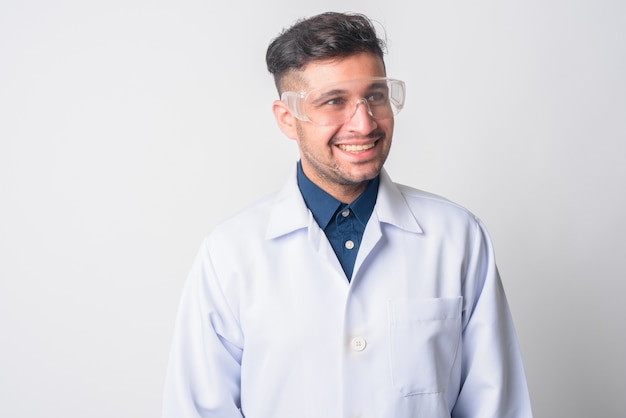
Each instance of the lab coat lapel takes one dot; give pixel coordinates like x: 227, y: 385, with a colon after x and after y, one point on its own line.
x: 391, y: 208
x: 290, y: 213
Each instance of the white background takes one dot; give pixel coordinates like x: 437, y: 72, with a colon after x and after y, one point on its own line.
x: 129, y: 128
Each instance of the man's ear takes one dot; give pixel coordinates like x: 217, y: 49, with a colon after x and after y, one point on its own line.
x: 285, y: 120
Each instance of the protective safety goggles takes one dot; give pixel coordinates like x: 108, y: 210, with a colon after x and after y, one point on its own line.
x: 337, y: 103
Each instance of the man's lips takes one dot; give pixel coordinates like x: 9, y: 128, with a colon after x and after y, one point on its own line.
x: 356, y: 148
x: 358, y: 144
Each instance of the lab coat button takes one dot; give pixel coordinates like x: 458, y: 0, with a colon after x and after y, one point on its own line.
x: 358, y: 343
x: 349, y: 244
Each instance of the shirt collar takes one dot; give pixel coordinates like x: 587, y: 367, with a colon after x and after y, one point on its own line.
x: 323, y: 206
x: 289, y: 212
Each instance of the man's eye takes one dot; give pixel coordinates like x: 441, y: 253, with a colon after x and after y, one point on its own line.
x: 376, y: 97
x: 337, y: 101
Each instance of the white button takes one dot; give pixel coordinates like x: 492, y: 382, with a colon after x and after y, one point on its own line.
x: 349, y: 245
x: 345, y: 213
x: 358, y: 343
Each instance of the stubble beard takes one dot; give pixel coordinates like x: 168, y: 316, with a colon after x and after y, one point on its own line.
x: 331, y: 172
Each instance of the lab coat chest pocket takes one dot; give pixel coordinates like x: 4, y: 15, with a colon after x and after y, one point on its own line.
x: 424, y: 341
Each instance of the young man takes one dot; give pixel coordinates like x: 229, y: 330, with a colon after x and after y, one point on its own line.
x: 344, y: 294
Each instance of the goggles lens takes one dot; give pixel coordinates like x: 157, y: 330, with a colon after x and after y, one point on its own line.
x: 336, y: 103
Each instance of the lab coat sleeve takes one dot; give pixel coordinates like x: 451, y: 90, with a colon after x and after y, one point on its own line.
x: 493, y: 381
x: 203, y: 375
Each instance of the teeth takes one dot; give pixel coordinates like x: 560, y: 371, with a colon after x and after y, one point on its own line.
x: 356, y: 148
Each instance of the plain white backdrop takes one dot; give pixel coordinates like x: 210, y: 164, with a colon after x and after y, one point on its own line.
x: 129, y: 128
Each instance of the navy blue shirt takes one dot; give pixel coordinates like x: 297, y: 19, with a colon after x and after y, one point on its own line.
x: 342, y: 223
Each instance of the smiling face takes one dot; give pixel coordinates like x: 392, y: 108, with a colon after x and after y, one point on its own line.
x: 340, y: 159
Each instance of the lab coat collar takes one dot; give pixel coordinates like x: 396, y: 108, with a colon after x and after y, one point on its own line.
x: 290, y: 212
x: 392, y: 208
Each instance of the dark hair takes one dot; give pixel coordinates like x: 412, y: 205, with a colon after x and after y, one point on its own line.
x: 322, y: 37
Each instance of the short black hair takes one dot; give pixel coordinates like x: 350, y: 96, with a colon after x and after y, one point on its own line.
x: 325, y: 36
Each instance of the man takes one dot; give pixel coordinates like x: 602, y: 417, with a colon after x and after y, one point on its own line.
x: 344, y: 294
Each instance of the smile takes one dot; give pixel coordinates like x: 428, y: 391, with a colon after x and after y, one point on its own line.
x: 356, y: 148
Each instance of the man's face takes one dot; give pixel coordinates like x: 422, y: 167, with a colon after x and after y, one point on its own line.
x: 341, y: 159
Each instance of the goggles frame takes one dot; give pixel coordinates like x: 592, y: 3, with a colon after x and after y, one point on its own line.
x: 395, y: 90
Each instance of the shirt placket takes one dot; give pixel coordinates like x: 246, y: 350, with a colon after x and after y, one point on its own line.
x: 348, y: 237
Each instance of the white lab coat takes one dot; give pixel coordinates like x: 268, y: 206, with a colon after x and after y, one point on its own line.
x: 269, y: 326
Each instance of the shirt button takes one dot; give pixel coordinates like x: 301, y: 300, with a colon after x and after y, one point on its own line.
x: 358, y: 343
x: 345, y: 213
x: 349, y: 245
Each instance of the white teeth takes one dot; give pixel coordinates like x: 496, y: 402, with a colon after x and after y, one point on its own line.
x: 356, y: 148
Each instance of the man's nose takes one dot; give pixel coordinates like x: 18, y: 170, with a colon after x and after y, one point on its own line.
x: 362, y: 119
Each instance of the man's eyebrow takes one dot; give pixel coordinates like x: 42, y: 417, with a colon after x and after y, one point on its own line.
x: 378, y: 85
x: 329, y: 93
x: 333, y: 92
x: 375, y: 85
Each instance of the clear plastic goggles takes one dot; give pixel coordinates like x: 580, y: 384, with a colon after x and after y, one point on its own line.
x: 336, y: 104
